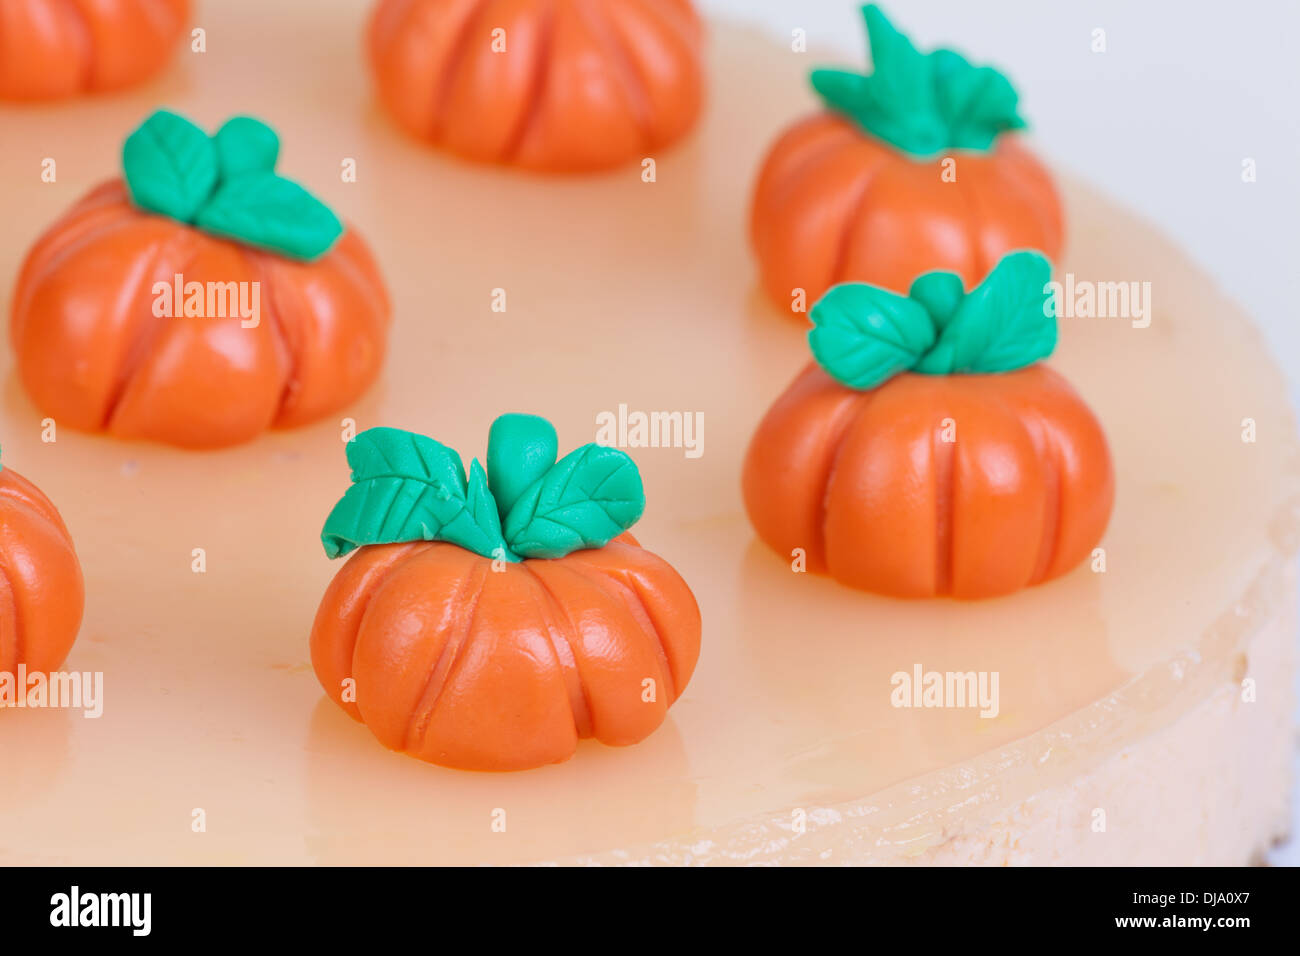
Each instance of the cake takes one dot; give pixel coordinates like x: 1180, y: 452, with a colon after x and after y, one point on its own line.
x: 52, y: 49
x: 556, y: 86
x: 200, y: 299
x: 1156, y: 691
x: 490, y: 622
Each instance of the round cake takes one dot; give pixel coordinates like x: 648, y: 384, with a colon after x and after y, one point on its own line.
x: 1133, y: 710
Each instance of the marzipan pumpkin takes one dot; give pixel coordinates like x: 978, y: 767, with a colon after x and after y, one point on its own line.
x: 202, y: 300
x: 911, y: 168
x: 924, y: 454
x: 551, y: 85
x: 41, y: 591
x: 491, y: 622
x: 51, y: 49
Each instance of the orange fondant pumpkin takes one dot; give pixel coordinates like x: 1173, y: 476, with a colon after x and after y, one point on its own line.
x: 554, y: 85
x: 460, y: 664
x: 833, y: 205
x: 925, y: 453
x: 41, y: 591
x: 93, y: 353
x: 931, y: 485
x: 861, y: 193
x: 57, y: 48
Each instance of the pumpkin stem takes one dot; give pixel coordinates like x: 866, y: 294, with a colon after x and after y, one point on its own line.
x: 922, y: 104
x: 521, y: 448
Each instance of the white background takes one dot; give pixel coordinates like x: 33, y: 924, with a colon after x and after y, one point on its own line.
x: 1162, y: 120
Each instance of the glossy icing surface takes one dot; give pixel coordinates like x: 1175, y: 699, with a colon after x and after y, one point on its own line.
x: 618, y: 292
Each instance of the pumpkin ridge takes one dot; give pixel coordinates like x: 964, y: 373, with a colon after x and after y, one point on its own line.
x: 628, y: 582
x: 80, y: 24
x: 92, y: 232
x: 450, y: 66
x: 1050, y: 454
x: 615, y: 594
x: 8, y: 601
x: 837, y: 432
x: 1033, y: 184
x: 839, y: 264
x: 336, y: 636
x: 945, y: 495
x: 536, y: 88
x: 1013, y: 169
x: 46, y: 257
x: 624, y: 64
x: 682, y: 24
x: 674, y: 17
x: 579, y: 706
x: 14, y: 603
x: 258, y: 265
x: 33, y: 499
x: 770, y: 183
x: 146, y: 334
x: 384, y: 22
x: 820, y: 151
x: 609, y: 582
x: 362, y: 275
x: 157, y: 13
x: 417, y: 725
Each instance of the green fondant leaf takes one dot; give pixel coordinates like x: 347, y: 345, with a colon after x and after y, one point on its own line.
x: 267, y: 211
x: 170, y: 166
x: 978, y: 102
x: 246, y: 145
x: 923, y: 104
x: 521, y: 448
x: 591, y: 496
x: 863, y: 335
x: 1004, y: 323
x: 226, y: 185
x: 407, y: 487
